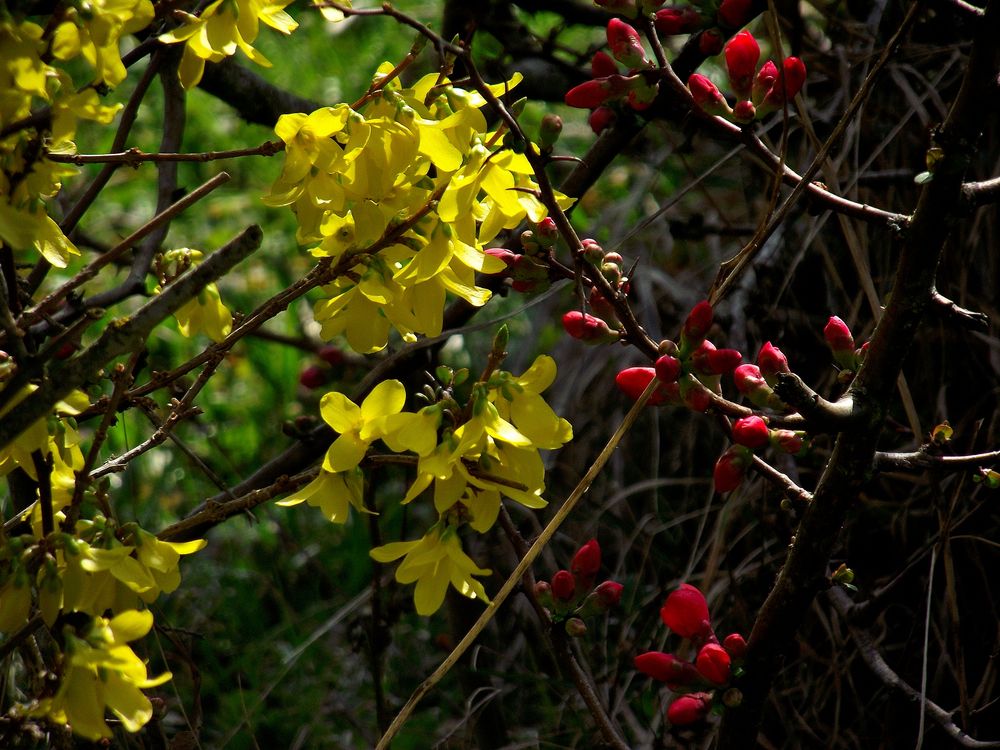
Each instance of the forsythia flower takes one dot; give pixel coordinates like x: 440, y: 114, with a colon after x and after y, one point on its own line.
x: 100, y: 672
x: 94, y: 29
x: 433, y: 562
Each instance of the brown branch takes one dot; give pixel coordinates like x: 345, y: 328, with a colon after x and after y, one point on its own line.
x: 921, y: 460
x: 133, y: 157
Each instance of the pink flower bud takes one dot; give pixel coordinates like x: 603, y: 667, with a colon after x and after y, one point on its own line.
x: 587, y: 328
x: 502, y: 253
x: 708, y: 360
x: 671, y: 21
x: 713, y: 663
x: 563, y: 586
x: 699, y: 320
x: 592, y: 94
x: 838, y: 335
x: 789, y: 441
x: 313, y: 376
x: 642, y: 94
x: 548, y: 232
x: 666, y: 668
x: 744, y: 112
x: 688, y: 709
x: 734, y: 14
x: 633, y: 381
x: 742, y: 55
x: 751, y: 432
x: 602, y: 65
x: 710, y: 42
x: 694, y: 395
x: 794, y: 71
x: 736, y: 645
x: 543, y: 590
x: 668, y: 368
x: 764, y: 81
x: 609, y: 593
x: 771, y: 361
x: 601, y: 119
x: 685, y: 612
x: 626, y: 45
x: 750, y: 382
x: 731, y: 468
x: 587, y: 560
x: 707, y: 97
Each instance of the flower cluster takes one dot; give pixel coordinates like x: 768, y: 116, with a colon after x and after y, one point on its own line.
x: 700, y: 684
x: 205, y: 313
x: 469, y: 456
x: 608, y: 85
x: 571, y: 594
x: 758, y: 92
x: 402, y: 196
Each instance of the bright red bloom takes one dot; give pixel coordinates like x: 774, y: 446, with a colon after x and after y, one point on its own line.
x: 713, y: 663
x: 633, y: 381
x: 586, y: 327
x: 688, y: 709
x: 670, y: 21
x: 626, y: 45
x: 602, y: 65
x: 685, y: 612
x: 731, y: 468
x: 771, y: 361
x: 668, y: 368
x: 609, y: 593
x: 742, y: 55
x: 601, y: 119
x: 699, y: 320
x: 751, y: 432
x: 563, y: 586
x: 734, y: 14
x: 736, y: 645
x: 587, y: 560
x: 666, y: 668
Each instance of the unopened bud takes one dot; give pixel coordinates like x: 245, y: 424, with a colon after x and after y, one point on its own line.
x: 707, y: 96
x: 731, y: 468
x: 563, y: 586
x: 601, y: 119
x: 588, y: 328
x: 626, y: 45
x: 549, y: 131
x: 575, y: 627
x: 736, y: 645
x: 751, y: 432
x: 771, y: 361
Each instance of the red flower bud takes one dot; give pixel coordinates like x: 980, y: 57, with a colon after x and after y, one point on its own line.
x: 601, y: 119
x: 592, y: 94
x: 771, y: 361
x: 502, y: 253
x: 708, y: 360
x: 751, y: 432
x: 563, y: 586
x: 742, y: 55
x: 313, y: 376
x: 838, y: 335
x: 685, y: 612
x: 670, y: 21
x: 695, y: 396
x: 602, y: 65
x: 587, y: 328
x: 575, y: 627
x: 633, y: 381
x: 332, y: 355
x: 587, y: 560
x: 789, y: 441
x: 666, y: 668
x: 710, y: 42
x: 731, y: 468
x: 748, y: 378
x: 688, y: 709
x: 736, y: 645
x: 744, y: 112
x: 626, y: 45
x: 641, y: 94
x: 794, y: 71
x: 713, y: 664
x: 668, y: 368
x: 707, y: 97
x: 764, y: 81
x: 699, y: 320
x: 548, y: 232
x: 734, y: 14
x: 609, y: 594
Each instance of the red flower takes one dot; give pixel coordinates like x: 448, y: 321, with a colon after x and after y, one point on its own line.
x: 609, y: 594
x: 688, y: 709
x: 731, y: 468
x: 794, y: 71
x: 587, y: 328
x: 771, y: 361
x: 600, y: 119
x: 668, y: 368
x: 563, y: 586
x: 587, y: 560
x: 626, y: 45
x: 736, y: 645
x: 666, y: 668
x: 751, y: 432
x: 710, y: 42
x: 734, y: 14
x: 633, y: 381
x: 707, y: 97
x: 699, y: 320
x: 708, y: 360
x: 841, y: 342
x: 685, y: 612
x: 744, y: 112
x: 713, y: 663
x: 601, y: 65
x: 670, y: 21
x: 592, y: 94
x: 764, y: 81
x: 742, y: 55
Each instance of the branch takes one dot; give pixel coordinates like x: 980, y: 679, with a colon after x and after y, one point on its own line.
x: 820, y: 415
x: 253, y: 98
x: 124, y: 335
x: 946, y: 308
x: 920, y: 460
x: 133, y: 157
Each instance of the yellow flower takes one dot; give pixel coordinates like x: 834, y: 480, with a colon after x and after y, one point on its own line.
x: 358, y: 426
x: 95, y: 30
x: 101, y: 672
x: 205, y: 314
x: 333, y: 494
x: 519, y: 400
x: 434, y: 561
